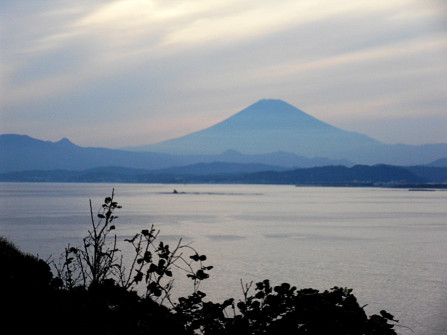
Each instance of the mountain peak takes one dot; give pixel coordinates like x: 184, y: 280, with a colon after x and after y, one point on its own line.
x: 270, y: 102
x: 268, y: 115
x: 231, y: 152
x: 268, y: 125
x: 65, y: 141
x: 272, y: 105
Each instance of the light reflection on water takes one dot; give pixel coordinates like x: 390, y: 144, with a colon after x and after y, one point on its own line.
x: 387, y: 244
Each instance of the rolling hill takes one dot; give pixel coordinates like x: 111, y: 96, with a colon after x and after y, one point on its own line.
x: 22, y: 153
x: 229, y: 173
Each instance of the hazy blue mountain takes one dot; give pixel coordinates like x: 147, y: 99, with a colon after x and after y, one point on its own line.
x: 433, y: 174
x: 399, y: 154
x: 267, y: 126
x: 218, y: 168
x: 21, y: 152
x: 337, y: 175
x: 269, y: 132
x: 281, y: 158
x: 442, y: 162
x: 122, y: 174
x: 276, y: 126
x: 358, y: 175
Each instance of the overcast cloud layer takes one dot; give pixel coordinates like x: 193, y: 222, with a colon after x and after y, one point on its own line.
x: 119, y: 73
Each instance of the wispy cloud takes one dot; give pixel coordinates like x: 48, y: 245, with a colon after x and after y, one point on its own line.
x: 152, y: 70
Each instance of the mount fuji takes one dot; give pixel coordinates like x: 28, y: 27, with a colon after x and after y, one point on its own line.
x: 271, y: 125
x: 267, y: 126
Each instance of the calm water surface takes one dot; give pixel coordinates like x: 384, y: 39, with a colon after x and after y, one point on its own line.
x: 389, y: 245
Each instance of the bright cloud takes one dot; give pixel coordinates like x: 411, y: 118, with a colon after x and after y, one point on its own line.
x: 157, y: 69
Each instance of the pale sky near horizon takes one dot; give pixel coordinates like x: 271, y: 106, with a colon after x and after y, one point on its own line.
x: 122, y: 73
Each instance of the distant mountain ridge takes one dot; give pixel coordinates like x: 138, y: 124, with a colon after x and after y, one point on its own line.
x: 22, y: 153
x: 23, y: 158
x: 442, y: 162
x: 358, y: 175
x: 269, y: 132
x: 272, y: 125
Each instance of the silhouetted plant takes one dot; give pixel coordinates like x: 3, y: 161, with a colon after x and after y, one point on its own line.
x: 153, y: 264
x: 99, y: 259
x: 95, y: 261
x: 283, y: 310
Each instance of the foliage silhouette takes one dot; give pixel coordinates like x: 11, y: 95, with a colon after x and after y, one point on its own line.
x: 99, y: 259
x: 283, y: 310
x: 94, y: 292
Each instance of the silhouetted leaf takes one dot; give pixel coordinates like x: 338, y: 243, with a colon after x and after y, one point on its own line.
x: 201, y: 294
x: 201, y: 275
x: 145, y: 232
x: 139, y: 276
x: 260, y: 295
x: 147, y: 256
x: 195, y: 257
x: 241, y: 305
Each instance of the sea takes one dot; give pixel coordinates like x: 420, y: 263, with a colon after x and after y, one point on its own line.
x: 388, y: 245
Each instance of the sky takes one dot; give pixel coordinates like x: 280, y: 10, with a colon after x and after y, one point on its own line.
x: 135, y: 72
